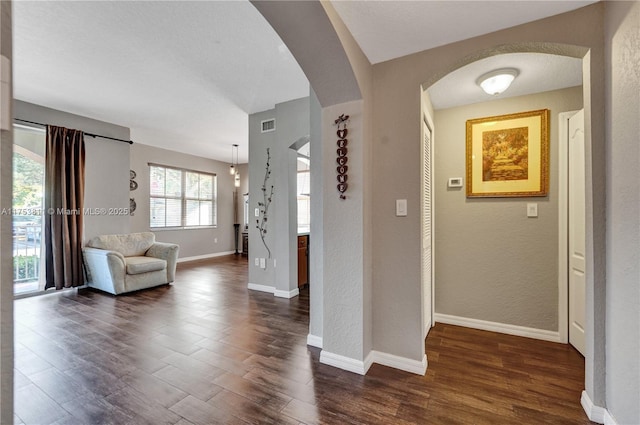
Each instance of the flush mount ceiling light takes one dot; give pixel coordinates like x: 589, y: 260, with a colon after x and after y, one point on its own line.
x: 495, y: 82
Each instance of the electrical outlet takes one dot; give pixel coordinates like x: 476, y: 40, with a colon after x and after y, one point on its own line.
x: 274, y: 263
x: 257, y: 212
x: 532, y: 210
x: 263, y: 263
x: 257, y: 262
x: 215, y: 240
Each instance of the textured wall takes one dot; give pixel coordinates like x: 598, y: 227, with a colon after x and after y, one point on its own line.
x: 292, y: 124
x: 344, y: 303
x: 316, y: 241
x: 623, y: 212
x: 492, y: 262
x: 193, y: 242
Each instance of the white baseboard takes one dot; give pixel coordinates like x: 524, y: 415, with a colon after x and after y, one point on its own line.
x: 594, y: 413
x: 504, y: 328
x: 608, y: 419
x: 346, y: 363
x: 274, y: 291
x: 314, y: 341
x: 205, y: 256
x: 286, y: 294
x: 261, y: 288
x: 361, y: 367
x: 402, y: 363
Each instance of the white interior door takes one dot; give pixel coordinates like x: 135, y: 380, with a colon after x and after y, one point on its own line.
x: 577, y: 293
x: 427, y: 255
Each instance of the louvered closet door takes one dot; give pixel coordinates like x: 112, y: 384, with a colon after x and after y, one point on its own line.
x: 426, y: 228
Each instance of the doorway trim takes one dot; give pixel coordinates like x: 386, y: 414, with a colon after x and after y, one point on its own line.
x: 563, y: 225
x: 427, y: 120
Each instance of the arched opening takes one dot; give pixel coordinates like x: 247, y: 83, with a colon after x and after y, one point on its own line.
x: 451, y: 203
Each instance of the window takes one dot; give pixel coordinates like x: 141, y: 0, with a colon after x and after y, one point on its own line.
x: 181, y: 198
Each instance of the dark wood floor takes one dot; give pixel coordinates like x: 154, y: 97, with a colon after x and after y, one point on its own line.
x: 205, y: 350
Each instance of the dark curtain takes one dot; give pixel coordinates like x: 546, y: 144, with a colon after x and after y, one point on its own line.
x: 63, y: 202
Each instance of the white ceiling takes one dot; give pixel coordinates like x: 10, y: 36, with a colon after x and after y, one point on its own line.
x: 182, y: 75
x: 185, y: 75
x: 389, y: 29
x: 537, y: 73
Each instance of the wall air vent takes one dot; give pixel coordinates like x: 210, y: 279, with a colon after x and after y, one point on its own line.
x: 268, y: 125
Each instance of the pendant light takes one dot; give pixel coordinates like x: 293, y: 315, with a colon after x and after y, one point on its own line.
x: 232, y: 169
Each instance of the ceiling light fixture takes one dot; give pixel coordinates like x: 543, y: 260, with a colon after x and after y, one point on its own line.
x: 232, y: 169
x: 496, y: 82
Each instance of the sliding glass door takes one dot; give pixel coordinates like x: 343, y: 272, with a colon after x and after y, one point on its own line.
x: 27, y: 209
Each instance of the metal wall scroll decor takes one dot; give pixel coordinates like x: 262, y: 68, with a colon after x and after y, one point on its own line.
x: 133, y: 185
x: 341, y: 152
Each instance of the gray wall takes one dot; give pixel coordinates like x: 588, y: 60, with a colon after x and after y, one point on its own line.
x: 6, y: 241
x: 623, y: 212
x: 193, y: 242
x: 106, y: 166
x: 492, y: 262
x: 292, y: 124
x: 316, y: 240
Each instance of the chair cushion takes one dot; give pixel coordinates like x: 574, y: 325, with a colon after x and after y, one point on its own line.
x: 129, y: 245
x: 139, y: 265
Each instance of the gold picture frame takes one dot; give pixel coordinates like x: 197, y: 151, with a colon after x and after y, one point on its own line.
x: 508, y: 155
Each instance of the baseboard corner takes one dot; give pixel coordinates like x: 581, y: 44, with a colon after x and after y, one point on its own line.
x: 505, y: 328
x: 402, y: 363
x: 314, y: 341
x: 594, y: 413
x: 261, y: 288
x: 342, y: 362
x: 286, y: 294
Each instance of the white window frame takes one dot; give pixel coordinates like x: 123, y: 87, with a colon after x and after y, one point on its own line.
x: 183, y: 198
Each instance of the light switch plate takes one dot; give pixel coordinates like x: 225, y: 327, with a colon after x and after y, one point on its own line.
x: 257, y: 212
x: 532, y: 210
x: 401, y: 207
x: 263, y: 263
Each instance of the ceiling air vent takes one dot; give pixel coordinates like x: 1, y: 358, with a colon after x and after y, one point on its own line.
x: 268, y: 125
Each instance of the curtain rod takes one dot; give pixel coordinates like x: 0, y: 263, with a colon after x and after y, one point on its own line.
x: 86, y: 134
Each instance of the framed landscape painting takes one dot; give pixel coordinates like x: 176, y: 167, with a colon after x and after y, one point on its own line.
x: 508, y: 155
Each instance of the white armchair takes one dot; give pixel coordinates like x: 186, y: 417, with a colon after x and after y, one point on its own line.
x: 125, y: 263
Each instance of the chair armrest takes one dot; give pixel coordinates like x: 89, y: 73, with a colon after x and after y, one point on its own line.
x: 167, y: 252
x: 105, y: 269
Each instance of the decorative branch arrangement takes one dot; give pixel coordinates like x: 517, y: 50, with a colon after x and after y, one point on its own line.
x: 342, y: 159
x: 263, y: 207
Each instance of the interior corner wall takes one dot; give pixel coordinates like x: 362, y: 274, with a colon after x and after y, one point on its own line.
x: 344, y: 281
x: 492, y: 262
x: 106, y: 166
x: 198, y: 243
x: 622, y: 35
x: 6, y: 239
x: 292, y: 124
x: 316, y: 234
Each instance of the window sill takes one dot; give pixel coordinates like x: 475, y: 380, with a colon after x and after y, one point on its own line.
x: 171, y: 229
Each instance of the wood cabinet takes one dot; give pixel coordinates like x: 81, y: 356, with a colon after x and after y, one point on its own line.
x: 303, y: 260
